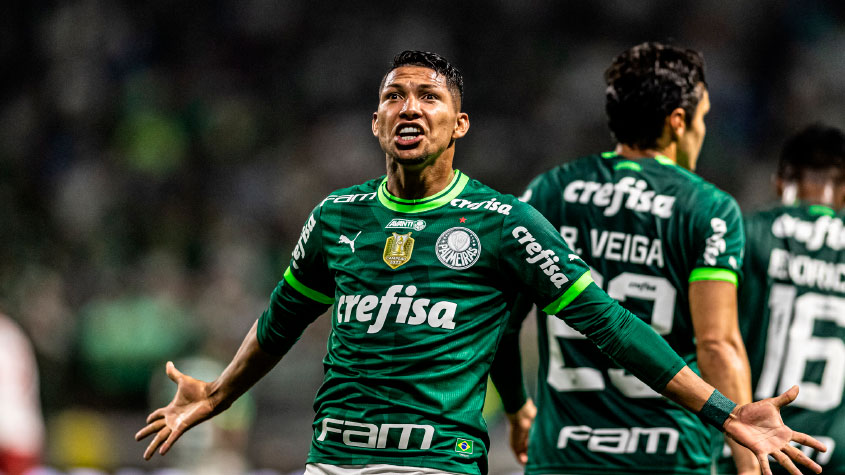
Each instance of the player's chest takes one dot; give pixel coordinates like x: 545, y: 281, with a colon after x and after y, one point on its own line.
x: 387, y: 243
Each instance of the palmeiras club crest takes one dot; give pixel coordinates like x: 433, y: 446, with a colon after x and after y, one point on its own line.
x: 398, y: 249
x: 458, y: 248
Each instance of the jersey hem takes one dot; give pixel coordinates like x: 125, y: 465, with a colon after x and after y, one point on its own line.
x: 606, y: 470
x: 456, y: 468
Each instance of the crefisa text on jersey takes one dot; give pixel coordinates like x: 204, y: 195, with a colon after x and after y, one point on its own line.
x: 825, y: 230
x: 299, y: 249
x: 411, y: 311
x: 536, y: 253
x: 492, y: 204
x: 611, y: 196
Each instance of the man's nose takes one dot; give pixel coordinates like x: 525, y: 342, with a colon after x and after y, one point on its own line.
x: 411, y: 107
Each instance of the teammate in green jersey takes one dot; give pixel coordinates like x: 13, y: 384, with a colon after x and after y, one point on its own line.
x: 422, y: 266
x: 792, y: 301
x: 666, y: 244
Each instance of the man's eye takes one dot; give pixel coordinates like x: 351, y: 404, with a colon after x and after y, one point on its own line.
x: 392, y: 95
x: 430, y: 97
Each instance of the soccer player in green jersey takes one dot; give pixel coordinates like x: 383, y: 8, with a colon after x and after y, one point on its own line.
x: 792, y: 301
x: 666, y: 244
x: 421, y: 267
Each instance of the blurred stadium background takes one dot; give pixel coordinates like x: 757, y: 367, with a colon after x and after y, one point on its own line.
x: 157, y: 160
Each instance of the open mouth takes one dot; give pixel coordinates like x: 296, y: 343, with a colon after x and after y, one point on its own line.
x: 409, y: 136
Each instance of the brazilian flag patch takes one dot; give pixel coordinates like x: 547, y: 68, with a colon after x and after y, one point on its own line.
x: 463, y: 446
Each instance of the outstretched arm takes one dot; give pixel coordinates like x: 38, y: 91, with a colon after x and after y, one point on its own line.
x: 721, y: 352
x: 197, y: 401
x: 757, y: 425
x: 640, y: 350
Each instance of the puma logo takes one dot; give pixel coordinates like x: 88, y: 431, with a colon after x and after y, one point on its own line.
x: 345, y: 240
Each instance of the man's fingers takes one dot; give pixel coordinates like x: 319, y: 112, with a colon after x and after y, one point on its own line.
x: 157, y: 414
x: 807, y: 440
x: 172, y: 373
x: 786, y: 463
x: 786, y: 397
x: 799, y: 456
x: 174, y: 436
x: 160, y: 436
x: 764, y: 464
x: 149, y: 429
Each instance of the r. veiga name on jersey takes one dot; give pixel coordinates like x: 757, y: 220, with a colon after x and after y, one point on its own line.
x: 612, y: 195
x: 806, y: 271
x: 620, y: 440
x: 617, y: 246
x: 536, y: 253
x: 362, y: 434
x: 438, y: 315
x: 826, y: 230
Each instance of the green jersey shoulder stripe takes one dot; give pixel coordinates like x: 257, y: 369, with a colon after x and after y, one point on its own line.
x: 571, y: 293
x: 708, y: 273
x: 456, y: 186
x: 304, y: 290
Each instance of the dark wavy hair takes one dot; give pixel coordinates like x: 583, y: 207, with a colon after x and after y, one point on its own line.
x: 816, y: 147
x: 645, y: 84
x: 454, y: 78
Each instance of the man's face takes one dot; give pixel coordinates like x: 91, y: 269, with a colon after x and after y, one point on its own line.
x: 417, y: 117
x: 690, y: 142
x: 824, y: 186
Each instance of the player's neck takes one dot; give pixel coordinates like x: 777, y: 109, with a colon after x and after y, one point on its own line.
x: 414, y: 183
x: 633, y: 153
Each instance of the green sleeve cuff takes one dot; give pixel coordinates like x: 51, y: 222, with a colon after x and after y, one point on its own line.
x: 304, y: 290
x: 710, y: 273
x: 571, y: 294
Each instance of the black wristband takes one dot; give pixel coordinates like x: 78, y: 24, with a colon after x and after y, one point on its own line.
x: 716, y: 410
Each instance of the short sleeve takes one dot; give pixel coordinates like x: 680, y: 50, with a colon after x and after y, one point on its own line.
x: 534, y: 254
x: 304, y: 293
x: 719, y: 241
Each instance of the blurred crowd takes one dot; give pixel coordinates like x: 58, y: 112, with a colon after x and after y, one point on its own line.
x: 157, y: 160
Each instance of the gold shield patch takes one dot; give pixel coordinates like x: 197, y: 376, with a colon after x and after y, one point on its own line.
x: 398, y: 249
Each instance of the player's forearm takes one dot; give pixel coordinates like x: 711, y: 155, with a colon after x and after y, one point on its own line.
x: 249, y: 365
x: 719, y: 347
x: 688, y: 389
x: 724, y: 364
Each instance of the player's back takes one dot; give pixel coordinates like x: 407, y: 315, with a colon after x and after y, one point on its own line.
x: 792, y: 316
x: 646, y: 227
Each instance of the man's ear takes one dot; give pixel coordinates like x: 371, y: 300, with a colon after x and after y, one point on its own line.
x: 375, y: 124
x: 787, y: 190
x: 677, y: 122
x: 461, y: 126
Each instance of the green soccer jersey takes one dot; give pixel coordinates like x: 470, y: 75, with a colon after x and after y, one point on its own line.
x: 792, y: 317
x: 647, y: 228
x: 421, y: 292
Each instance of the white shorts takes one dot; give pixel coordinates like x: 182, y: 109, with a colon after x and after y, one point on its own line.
x: 375, y: 469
